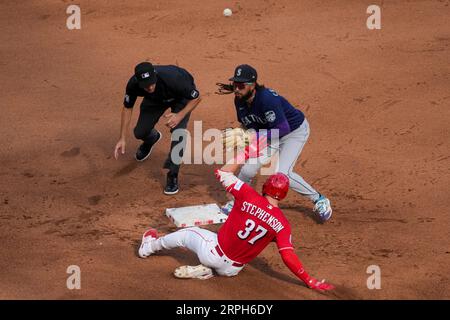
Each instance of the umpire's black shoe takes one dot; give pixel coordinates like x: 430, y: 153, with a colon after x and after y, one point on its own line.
x: 172, y: 184
x: 145, y: 149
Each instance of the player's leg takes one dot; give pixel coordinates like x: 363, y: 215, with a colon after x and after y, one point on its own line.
x: 290, y: 150
x: 203, y: 242
x: 249, y: 171
x: 194, y: 239
x: 253, y: 165
x: 198, y: 240
x: 177, y: 147
x: 145, y: 128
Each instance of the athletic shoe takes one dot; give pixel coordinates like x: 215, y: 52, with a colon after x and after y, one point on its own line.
x: 226, y: 208
x: 172, y: 184
x: 145, y: 249
x: 145, y: 149
x: 193, y: 272
x: 323, y: 207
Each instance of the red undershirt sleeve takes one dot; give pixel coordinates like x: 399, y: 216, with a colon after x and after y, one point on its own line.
x: 291, y: 260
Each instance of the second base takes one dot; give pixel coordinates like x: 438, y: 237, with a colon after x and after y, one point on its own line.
x: 196, y: 215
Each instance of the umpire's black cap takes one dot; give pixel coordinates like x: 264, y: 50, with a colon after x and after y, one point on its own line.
x: 145, y: 74
x: 244, y: 73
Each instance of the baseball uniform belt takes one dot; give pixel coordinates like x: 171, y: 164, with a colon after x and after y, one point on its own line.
x: 221, y: 254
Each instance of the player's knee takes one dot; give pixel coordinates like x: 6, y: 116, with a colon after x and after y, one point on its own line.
x: 248, y: 172
x: 287, y: 171
x: 291, y: 175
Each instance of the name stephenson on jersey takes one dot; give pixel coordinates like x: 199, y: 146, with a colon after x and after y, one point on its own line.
x: 262, y: 215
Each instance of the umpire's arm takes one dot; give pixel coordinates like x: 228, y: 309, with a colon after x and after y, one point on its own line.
x: 175, y: 118
x: 190, y: 106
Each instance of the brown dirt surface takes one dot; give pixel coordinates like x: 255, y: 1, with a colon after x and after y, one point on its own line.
x: 378, y: 102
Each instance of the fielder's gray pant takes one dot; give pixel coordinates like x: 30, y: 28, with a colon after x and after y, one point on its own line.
x: 288, y: 149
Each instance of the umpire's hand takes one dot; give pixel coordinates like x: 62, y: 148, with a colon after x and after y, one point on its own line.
x: 174, y: 119
x: 120, y: 146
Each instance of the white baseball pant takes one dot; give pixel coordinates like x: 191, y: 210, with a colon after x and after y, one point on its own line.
x: 201, y: 241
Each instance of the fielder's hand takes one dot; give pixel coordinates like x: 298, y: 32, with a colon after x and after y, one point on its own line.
x: 120, y: 147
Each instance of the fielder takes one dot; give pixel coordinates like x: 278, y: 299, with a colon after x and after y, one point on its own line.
x: 162, y: 87
x: 253, y: 223
x: 259, y: 108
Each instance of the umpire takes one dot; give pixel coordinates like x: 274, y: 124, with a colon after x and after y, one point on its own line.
x: 162, y: 87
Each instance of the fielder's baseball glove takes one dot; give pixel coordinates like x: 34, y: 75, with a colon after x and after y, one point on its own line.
x: 246, y: 140
x: 224, y: 88
x: 235, y: 138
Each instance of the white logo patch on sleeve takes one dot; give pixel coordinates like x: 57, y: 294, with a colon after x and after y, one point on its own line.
x: 127, y: 98
x: 194, y: 94
x: 238, y: 185
x: 270, y: 116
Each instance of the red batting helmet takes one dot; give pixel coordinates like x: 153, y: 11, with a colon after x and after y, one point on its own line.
x: 276, y: 186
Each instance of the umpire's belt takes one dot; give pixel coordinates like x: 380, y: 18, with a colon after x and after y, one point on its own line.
x: 221, y: 254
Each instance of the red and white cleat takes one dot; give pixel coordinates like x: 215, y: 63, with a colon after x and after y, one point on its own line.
x: 145, y: 249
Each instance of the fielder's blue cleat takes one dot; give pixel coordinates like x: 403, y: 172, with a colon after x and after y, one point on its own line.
x: 323, y: 207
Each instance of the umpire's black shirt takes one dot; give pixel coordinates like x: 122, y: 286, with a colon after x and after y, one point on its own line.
x: 173, y: 85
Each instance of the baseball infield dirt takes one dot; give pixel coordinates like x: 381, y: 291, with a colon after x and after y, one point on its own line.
x: 378, y: 102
